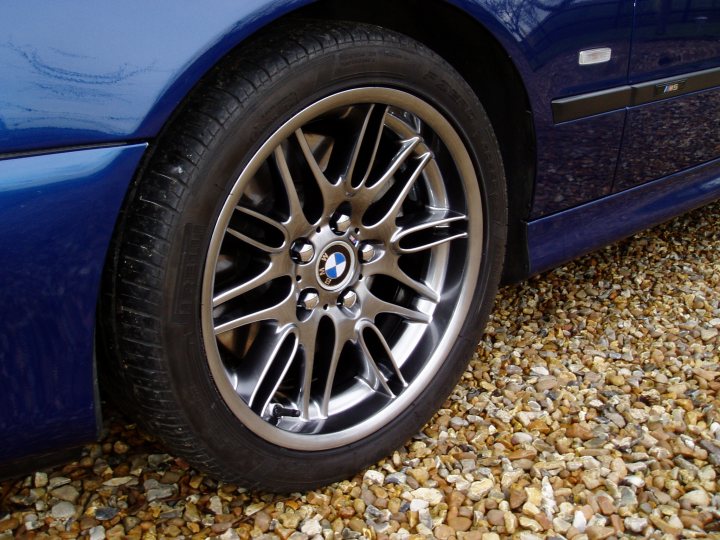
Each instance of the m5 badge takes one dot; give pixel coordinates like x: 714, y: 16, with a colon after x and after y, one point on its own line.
x: 669, y: 87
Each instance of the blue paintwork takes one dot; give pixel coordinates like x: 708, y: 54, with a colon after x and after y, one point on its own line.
x: 559, y: 238
x: 543, y: 40
x: 669, y: 135
x: 87, y: 72
x: 57, y: 213
x: 578, y: 162
x: 671, y: 38
x: 674, y: 37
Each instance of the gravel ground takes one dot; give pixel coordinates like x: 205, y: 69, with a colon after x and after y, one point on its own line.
x: 590, y: 410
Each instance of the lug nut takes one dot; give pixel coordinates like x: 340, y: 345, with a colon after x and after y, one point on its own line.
x: 302, y: 251
x: 340, y: 223
x: 309, y: 299
x: 348, y: 299
x: 367, y: 252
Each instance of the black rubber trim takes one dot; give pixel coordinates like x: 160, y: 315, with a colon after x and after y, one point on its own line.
x: 576, y: 107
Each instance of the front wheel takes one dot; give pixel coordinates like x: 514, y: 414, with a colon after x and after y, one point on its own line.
x: 309, y: 257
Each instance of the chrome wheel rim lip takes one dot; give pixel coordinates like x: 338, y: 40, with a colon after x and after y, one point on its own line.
x: 466, y: 170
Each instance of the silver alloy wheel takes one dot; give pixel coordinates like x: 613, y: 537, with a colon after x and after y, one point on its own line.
x: 341, y: 268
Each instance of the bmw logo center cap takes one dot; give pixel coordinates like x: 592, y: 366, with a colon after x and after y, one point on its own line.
x: 334, y: 266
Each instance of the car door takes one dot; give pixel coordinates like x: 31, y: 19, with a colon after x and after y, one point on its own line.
x: 578, y: 143
x: 674, y: 74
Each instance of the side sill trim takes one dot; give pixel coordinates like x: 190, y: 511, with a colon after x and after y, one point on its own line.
x: 561, y: 237
x: 583, y: 105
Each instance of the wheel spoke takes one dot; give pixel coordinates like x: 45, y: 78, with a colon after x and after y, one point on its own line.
x: 418, y: 286
x: 259, y: 377
x: 328, y: 190
x: 406, y: 150
x: 388, y: 351
x: 387, y: 221
x: 374, y: 306
x: 296, y: 219
x: 308, y: 341
x: 387, y: 264
x: 276, y: 228
x: 373, y: 377
x: 366, y: 144
x: 281, y: 312
x: 430, y: 229
x: 338, y: 344
x: 272, y: 271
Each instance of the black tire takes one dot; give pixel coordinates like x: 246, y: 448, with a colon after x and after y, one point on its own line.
x: 157, y: 270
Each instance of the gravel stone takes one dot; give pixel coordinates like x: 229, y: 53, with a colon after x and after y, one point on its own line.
x: 97, y: 533
x: 159, y: 493
x: 374, y: 477
x: 511, y: 522
x: 460, y: 523
x: 8, y: 524
x: 579, y: 521
x: 120, y: 481
x: 57, y: 481
x: 599, y: 533
x: 429, y: 495
x: 41, y: 479
x: 105, y: 513
x: 63, y: 510
x: 66, y: 493
x: 479, y: 489
x: 696, y: 497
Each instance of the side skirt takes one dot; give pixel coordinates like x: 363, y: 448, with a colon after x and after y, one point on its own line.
x: 555, y: 239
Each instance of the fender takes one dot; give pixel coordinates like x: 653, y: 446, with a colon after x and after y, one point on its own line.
x: 60, y: 89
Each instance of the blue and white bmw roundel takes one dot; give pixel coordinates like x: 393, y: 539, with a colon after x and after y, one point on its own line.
x: 335, y: 265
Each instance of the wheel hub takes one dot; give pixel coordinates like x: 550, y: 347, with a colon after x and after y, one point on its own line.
x: 336, y: 266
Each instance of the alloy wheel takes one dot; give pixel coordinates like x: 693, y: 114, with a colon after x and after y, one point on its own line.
x: 341, y: 268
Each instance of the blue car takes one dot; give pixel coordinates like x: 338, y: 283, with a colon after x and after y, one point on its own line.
x: 273, y: 230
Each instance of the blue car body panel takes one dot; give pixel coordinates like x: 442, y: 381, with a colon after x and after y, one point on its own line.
x: 671, y: 40
x: 84, y: 72
x: 667, y: 136
x: 106, y: 75
x: 57, y: 214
